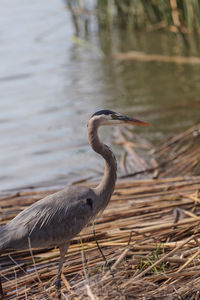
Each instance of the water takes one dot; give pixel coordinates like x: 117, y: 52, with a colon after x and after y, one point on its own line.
x: 50, y: 85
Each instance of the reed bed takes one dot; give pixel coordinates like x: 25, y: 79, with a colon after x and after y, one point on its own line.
x: 178, y: 156
x: 149, y: 235
x: 180, y: 16
x: 173, y: 15
x: 145, y: 245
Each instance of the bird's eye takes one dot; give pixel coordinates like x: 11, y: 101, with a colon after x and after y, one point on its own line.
x: 113, y: 116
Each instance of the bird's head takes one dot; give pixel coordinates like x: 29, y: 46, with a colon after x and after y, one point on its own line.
x: 108, y: 117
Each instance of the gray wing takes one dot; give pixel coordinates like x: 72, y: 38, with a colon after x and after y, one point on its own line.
x: 51, y: 221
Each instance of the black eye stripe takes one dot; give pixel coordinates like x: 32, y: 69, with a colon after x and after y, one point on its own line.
x: 103, y: 112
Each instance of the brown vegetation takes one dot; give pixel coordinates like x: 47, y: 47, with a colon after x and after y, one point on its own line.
x: 149, y: 235
x: 141, y: 56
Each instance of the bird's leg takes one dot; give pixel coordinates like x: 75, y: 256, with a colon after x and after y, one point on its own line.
x: 1, y: 290
x: 63, y: 249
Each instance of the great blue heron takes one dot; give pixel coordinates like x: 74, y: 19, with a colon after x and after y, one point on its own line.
x: 56, y: 219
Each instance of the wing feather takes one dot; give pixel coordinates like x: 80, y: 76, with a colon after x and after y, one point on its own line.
x: 50, y: 221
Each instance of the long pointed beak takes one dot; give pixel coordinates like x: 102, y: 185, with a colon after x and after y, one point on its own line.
x: 127, y: 120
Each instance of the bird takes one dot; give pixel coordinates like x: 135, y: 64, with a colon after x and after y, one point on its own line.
x: 56, y: 219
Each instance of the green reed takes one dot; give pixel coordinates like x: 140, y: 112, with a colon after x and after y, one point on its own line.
x: 172, y: 15
x: 175, y: 15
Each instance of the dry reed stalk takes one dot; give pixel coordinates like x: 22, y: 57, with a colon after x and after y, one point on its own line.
x: 183, y: 154
x: 144, y: 208
x: 178, y: 156
x: 150, y: 229
x: 158, y: 262
x: 141, y: 56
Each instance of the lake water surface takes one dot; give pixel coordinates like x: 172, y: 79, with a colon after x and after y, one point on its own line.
x: 50, y: 84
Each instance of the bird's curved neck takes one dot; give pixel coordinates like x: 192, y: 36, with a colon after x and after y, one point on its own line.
x: 107, y: 185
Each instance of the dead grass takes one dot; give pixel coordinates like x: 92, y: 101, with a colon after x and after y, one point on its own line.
x: 149, y: 235
x: 141, y: 56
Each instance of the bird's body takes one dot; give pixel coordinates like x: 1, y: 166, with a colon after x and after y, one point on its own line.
x: 41, y: 222
x: 56, y: 219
